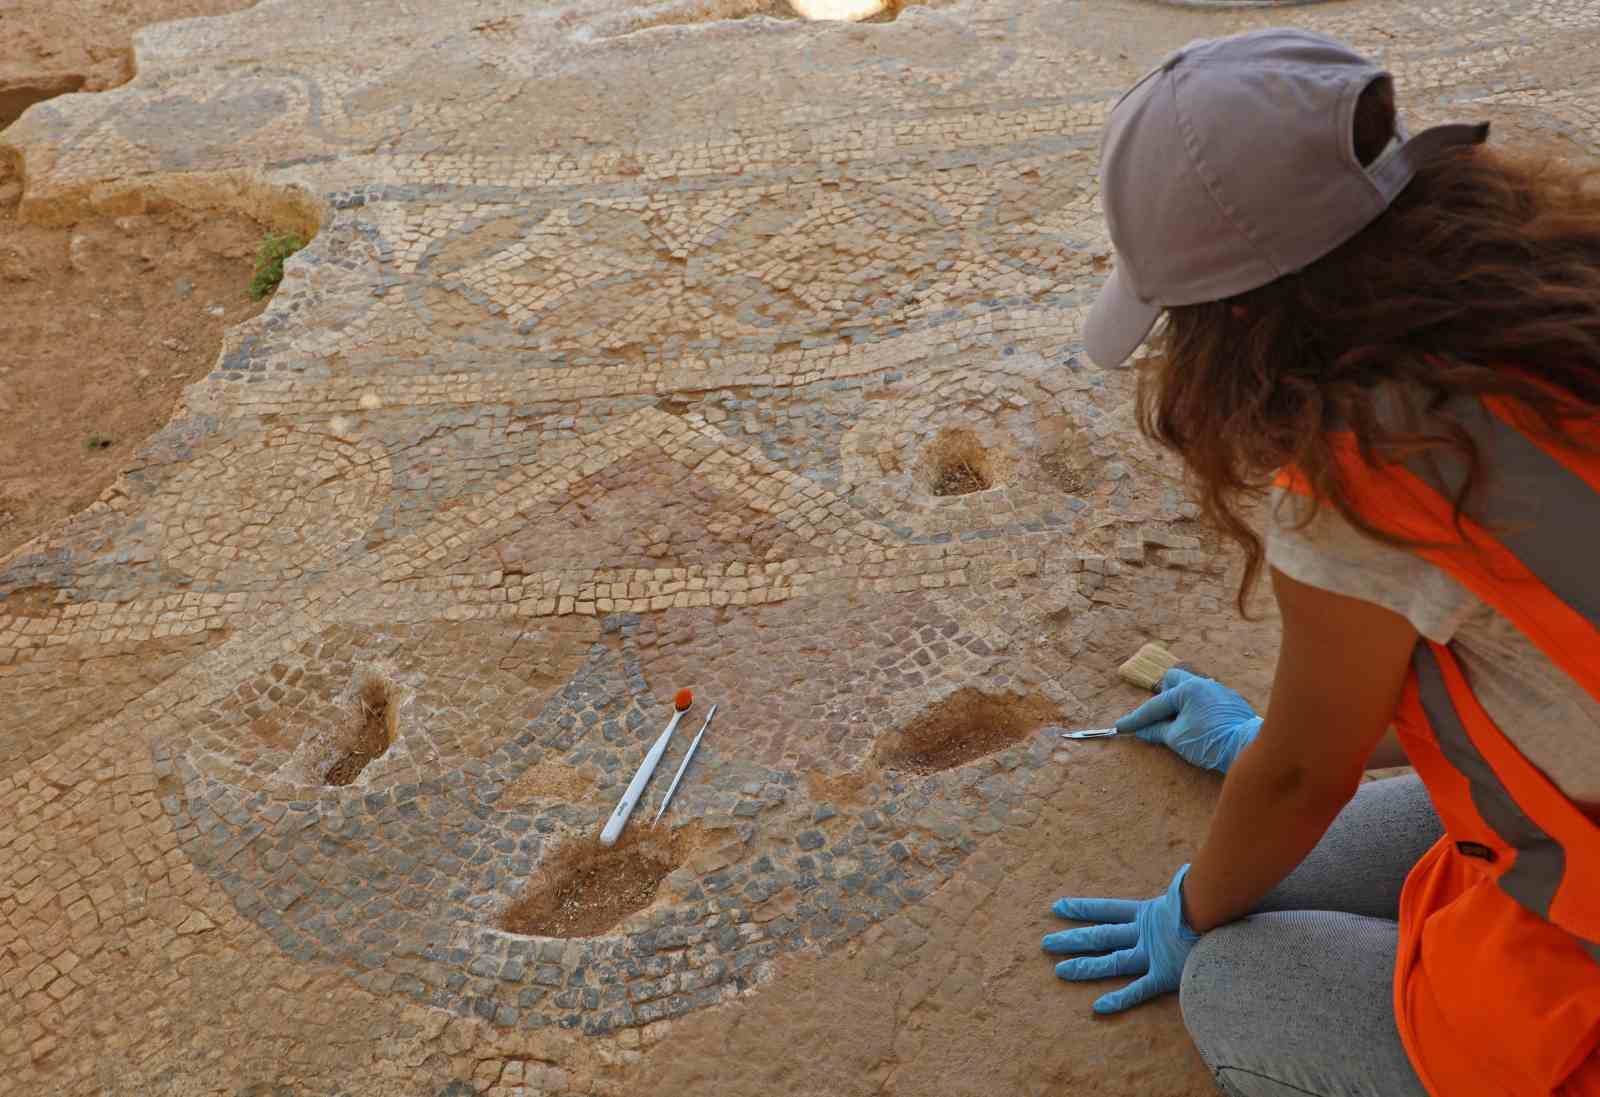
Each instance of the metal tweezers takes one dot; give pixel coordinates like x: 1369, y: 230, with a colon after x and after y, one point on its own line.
x: 666, y: 800
x: 1092, y: 733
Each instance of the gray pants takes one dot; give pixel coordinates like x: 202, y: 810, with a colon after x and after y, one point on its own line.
x: 1298, y: 997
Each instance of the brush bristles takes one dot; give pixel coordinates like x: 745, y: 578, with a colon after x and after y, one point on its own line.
x: 1147, y: 666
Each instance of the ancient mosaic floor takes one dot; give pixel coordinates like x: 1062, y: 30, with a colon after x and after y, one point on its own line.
x: 638, y: 348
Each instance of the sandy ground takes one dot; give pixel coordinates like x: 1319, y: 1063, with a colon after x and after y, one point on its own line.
x: 106, y: 320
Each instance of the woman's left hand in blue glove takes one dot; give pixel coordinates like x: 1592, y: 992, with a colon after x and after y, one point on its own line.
x: 1205, y: 722
x: 1149, y: 939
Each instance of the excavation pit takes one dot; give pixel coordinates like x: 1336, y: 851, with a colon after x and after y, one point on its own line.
x: 958, y: 463
x: 584, y: 889
x: 377, y: 720
x: 968, y: 724
x: 1068, y: 469
x: 1064, y: 455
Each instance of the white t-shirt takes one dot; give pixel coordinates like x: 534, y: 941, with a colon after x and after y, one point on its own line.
x: 1550, y: 718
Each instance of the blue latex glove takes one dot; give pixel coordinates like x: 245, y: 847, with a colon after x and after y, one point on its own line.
x: 1151, y: 937
x: 1203, y: 720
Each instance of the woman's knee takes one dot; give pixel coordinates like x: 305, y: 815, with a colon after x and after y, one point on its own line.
x: 1209, y: 992
x: 1297, y: 1002
x: 1224, y: 981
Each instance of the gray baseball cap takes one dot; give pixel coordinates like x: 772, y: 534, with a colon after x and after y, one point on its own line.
x: 1233, y: 164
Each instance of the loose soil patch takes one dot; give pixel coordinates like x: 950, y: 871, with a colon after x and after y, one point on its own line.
x: 1066, y: 470
x: 1066, y: 461
x: 958, y: 464
x: 966, y: 725
x: 549, y: 781
x: 105, y: 322
x: 373, y: 737
x: 584, y: 889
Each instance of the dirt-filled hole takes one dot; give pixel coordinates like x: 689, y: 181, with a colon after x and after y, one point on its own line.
x: 376, y: 721
x: 1065, y: 456
x: 957, y: 463
x: 584, y: 889
x: 966, y: 725
x: 1068, y: 468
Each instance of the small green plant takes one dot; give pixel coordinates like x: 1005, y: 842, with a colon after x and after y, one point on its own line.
x: 95, y: 441
x: 275, y: 248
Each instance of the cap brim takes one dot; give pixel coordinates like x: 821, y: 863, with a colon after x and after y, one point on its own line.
x: 1117, y: 324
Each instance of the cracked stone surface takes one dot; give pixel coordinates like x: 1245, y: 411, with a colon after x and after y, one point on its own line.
x: 617, y: 365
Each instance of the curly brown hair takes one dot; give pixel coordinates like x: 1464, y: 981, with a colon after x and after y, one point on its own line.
x: 1482, y: 278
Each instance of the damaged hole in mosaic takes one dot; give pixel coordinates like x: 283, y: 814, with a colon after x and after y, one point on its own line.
x: 957, y: 463
x: 964, y: 726
x: 376, y: 720
x: 1067, y: 463
x: 583, y: 889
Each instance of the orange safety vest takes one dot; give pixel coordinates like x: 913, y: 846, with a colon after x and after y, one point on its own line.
x: 1497, y: 980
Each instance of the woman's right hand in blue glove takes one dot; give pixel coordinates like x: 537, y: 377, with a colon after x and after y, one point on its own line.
x: 1207, y: 723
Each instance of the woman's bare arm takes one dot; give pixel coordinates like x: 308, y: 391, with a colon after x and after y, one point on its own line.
x: 1340, y: 670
